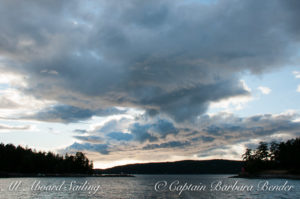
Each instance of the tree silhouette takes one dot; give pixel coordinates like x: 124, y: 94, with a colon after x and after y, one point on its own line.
x: 283, y: 155
x: 247, y: 156
x: 24, y: 160
x: 262, y: 151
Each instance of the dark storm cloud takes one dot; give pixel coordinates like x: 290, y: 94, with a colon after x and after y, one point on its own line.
x: 187, y: 103
x: 67, y: 114
x: 100, y: 148
x: 294, y: 25
x: 166, y: 56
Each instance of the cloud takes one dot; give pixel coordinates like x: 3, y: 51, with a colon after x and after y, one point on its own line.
x: 297, y: 74
x: 7, y: 103
x: 264, y: 90
x: 221, y: 135
x: 6, y: 127
x: 11, y: 79
x: 164, y: 128
x: 162, y: 56
x: 259, y: 125
x: 109, y: 126
x: 120, y: 136
x: 91, y: 139
x: 14, y: 104
x: 136, y: 129
x: 172, y: 144
x: 81, y: 131
x: 207, y: 130
x: 114, y: 125
x: 141, y: 133
x: 298, y: 88
x: 233, y: 103
x: 52, y: 72
x: 69, y: 114
x: 157, y: 129
x: 225, y: 151
x: 207, y: 138
x: 100, y: 148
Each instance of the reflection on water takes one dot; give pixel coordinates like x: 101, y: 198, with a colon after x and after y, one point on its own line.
x: 150, y: 186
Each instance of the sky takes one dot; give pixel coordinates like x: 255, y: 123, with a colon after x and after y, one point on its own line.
x: 148, y: 81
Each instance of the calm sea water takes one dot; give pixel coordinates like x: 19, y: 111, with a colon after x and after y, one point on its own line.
x: 150, y: 186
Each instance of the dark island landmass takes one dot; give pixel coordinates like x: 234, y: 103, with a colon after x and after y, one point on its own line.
x: 273, y: 160
x: 179, y: 167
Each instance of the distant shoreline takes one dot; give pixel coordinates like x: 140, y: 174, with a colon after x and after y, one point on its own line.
x: 39, y: 175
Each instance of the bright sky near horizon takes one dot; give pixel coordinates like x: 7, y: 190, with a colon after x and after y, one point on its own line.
x: 143, y: 81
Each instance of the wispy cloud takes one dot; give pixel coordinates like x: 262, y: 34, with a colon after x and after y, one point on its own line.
x: 7, y: 127
x: 297, y: 74
x: 265, y: 90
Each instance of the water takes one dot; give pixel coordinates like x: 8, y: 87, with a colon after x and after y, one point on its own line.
x: 147, y: 186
